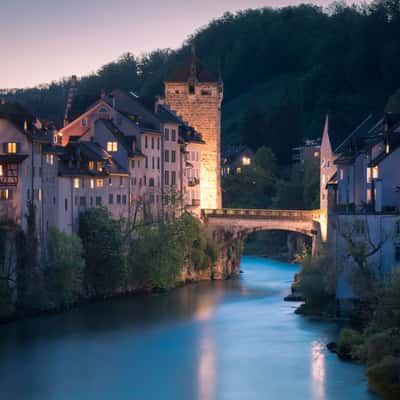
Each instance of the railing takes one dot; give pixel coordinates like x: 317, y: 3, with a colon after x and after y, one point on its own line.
x: 259, y: 213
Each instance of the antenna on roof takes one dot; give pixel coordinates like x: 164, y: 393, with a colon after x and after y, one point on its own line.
x: 71, y: 93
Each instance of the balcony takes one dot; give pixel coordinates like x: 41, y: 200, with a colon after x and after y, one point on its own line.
x: 193, y: 182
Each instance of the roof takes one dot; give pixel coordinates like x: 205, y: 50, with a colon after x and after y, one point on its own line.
x: 113, y: 129
x: 130, y: 105
x: 191, y: 69
x: 165, y: 114
x: 233, y: 152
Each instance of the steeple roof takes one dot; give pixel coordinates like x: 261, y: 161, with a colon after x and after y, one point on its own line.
x: 192, y: 68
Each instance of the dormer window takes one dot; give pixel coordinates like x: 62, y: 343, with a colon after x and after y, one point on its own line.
x: 112, y: 147
x: 11, y: 147
x: 191, y: 88
x: 103, y: 110
x: 84, y: 122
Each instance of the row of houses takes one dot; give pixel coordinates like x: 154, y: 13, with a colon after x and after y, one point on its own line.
x: 360, y: 198
x: 138, y: 162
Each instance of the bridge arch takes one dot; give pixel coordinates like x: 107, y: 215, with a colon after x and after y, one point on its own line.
x: 242, y: 222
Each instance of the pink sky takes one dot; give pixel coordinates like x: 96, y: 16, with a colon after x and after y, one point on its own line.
x: 44, y: 40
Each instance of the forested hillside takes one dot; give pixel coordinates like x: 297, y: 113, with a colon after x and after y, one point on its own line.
x: 283, y: 69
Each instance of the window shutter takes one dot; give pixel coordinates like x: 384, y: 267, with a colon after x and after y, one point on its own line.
x: 4, y: 147
x: 18, y: 147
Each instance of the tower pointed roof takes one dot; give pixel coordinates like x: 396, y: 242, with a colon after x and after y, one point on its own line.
x: 191, y: 69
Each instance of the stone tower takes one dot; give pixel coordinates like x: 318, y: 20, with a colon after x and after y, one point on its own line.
x: 196, y: 96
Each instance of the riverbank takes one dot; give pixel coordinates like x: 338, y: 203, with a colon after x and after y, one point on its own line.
x: 108, y: 259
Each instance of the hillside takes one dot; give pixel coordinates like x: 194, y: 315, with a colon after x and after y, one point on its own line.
x: 283, y: 70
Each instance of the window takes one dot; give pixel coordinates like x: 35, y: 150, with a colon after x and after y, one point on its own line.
x: 99, y: 166
x: 84, y: 122
x: 66, y: 204
x: 98, y: 200
x: 91, y: 165
x: 11, y: 147
x: 124, y: 199
x: 92, y: 183
x: 82, y: 201
x: 99, y: 183
x: 50, y: 158
x: 246, y: 161
x: 1, y: 170
x: 146, y: 142
x: 158, y: 143
x: 110, y: 181
x: 103, y: 110
x: 166, y: 156
x: 316, y: 154
x: 118, y: 199
x: 112, y: 147
x: 158, y: 162
x: 238, y: 170
x: 341, y: 174
x: 151, y: 182
x: 110, y: 198
x: 206, y: 92
x: 397, y: 253
x: 173, y: 178
x: 398, y: 228
x: 166, y: 177
x: 152, y: 163
x: 76, y: 183
x: 173, y: 135
x: 146, y: 163
x: 138, y: 163
x: 5, y: 194
x: 191, y: 88
x: 144, y: 180
x: 121, y: 181
x: 166, y: 134
x: 133, y: 164
x: 152, y: 142
x: 91, y: 200
x: 173, y: 156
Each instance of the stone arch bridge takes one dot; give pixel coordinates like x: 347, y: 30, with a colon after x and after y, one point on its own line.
x: 230, y: 227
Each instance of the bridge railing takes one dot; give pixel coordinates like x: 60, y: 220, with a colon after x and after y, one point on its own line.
x: 261, y: 213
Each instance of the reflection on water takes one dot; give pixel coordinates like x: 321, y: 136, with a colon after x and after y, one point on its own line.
x: 233, y: 340
x: 317, y: 366
x: 207, y: 368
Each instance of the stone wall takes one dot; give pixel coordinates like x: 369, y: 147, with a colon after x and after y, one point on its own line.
x: 202, y: 110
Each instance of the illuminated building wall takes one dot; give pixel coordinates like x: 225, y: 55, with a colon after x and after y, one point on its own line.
x: 200, y: 107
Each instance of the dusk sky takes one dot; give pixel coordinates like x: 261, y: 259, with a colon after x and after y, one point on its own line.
x: 44, y: 40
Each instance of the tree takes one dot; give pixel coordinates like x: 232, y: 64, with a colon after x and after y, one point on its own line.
x: 65, y: 268
x: 104, y: 252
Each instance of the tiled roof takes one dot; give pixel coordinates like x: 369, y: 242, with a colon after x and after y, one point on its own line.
x: 191, y: 68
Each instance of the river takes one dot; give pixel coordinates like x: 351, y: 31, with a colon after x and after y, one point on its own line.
x: 232, y: 340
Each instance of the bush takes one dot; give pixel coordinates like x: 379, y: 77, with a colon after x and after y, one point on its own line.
x: 350, y: 344
x: 65, y: 268
x: 104, y: 252
x: 316, y: 279
x: 384, y: 377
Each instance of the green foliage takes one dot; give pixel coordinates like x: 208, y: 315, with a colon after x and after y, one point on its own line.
x: 300, y: 191
x: 384, y: 377
x: 349, y: 344
x: 254, y: 187
x: 157, y: 256
x: 316, y: 278
x: 103, y: 250
x: 65, y: 268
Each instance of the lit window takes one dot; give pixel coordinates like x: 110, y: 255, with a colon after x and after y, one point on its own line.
x: 99, y: 183
x: 40, y: 194
x: 92, y: 183
x: 246, y: 161
x: 99, y: 166
x: 238, y: 170
x: 1, y: 170
x: 316, y: 154
x: 11, y: 147
x: 76, y: 183
x: 375, y: 172
x: 341, y: 174
x: 4, y: 194
x: 91, y: 165
x: 112, y: 146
